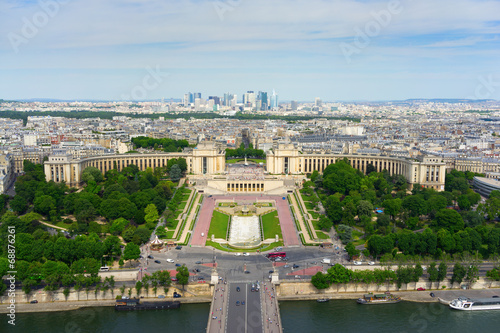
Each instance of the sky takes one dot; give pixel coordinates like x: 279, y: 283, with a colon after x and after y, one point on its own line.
x: 337, y: 50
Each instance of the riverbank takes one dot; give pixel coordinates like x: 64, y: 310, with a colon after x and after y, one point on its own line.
x: 75, y: 305
x: 411, y: 296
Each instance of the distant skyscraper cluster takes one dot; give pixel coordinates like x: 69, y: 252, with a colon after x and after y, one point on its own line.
x: 260, y: 101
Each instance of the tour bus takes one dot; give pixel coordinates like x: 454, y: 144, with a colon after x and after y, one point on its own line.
x: 274, y: 255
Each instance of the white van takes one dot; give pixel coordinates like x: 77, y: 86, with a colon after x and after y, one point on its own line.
x: 104, y: 269
x: 326, y: 261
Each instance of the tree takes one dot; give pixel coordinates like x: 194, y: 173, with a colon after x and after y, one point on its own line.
x: 131, y: 252
x: 320, y: 281
x: 92, y: 174
x: 44, y: 204
x: 433, y: 272
x: 175, y: 173
x: 459, y: 273
x: 417, y: 273
x: 18, y: 204
x: 442, y: 270
x: 392, y: 207
x: 365, y: 208
x: 333, y: 208
x: 138, y: 287
x: 345, y: 233
x: 338, y: 274
x: 449, y: 219
x: 182, y: 275
x: 472, y: 274
x: 151, y: 214
x: 378, y: 245
x: 415, y: 204
x: 325, y: 223
x: 351, y: 250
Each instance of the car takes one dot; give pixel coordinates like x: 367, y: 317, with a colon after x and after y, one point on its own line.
x: 174, y: 279
x: 196, y: 270
x: 246, y: 254
x: 200, y: 278
x: 278, y: 249
x: 125, y: 297
x: 247, y: 272
x: 161, y: 296
x: 371, y: 263
x: 176, y: 295
x: 158, y: 261
x: 202, y: 234
x: 151, y: 257
x: 170, y: 260
x: 242, y: 302
x: 34, y: 301
x: 141, y: 257
x: 295, y: 266
x: 238, y: 289
x: 424, y: 268
x: 178, y: 265
x: 178, y: 247
x: 432, y: 295
x: 237, y: 254
x: 494, y: 296
x: 357, y: 263
x: 198, y: 262
x: 297, y: 276
x: 237, y: 303
x: 271, y: 271
x: 286, y: 266
x: 278, y: 259
x: 420, y: 289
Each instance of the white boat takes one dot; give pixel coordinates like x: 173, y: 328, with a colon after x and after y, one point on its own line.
x: 474, y: 304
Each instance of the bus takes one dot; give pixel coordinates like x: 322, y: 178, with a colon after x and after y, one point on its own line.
x: 274, y: 255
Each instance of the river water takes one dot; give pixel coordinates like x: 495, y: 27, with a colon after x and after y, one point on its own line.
x: 297, y: 317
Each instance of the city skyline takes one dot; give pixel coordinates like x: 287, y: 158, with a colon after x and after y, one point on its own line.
x: 339, y: 51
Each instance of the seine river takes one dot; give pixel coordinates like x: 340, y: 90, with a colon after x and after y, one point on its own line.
x: 298, y: 317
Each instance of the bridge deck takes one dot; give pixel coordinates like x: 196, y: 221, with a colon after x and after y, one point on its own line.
x: 244, y: 311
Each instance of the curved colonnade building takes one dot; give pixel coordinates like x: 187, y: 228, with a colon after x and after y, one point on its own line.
x: 286, y: 167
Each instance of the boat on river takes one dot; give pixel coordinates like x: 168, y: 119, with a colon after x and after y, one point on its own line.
x: 135, y: 304
x: 322, y: 300
x: 386, y: 298
x: 474, y: 304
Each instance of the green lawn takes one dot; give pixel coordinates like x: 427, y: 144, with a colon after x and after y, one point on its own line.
x: 322, y: 235
x: 271, y: 225
x: 170, y: 234
x: 218, y: 225
x: 315, y: 225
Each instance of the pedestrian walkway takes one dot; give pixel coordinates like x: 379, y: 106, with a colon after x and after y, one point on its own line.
x: 270, y: 309
x: 302, y: 223
x: 192, y: 215
x: 218, y: 308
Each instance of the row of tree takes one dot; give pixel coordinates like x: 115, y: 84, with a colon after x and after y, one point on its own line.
x: 403, y: 275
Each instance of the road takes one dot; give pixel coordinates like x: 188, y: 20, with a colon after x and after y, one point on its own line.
x: 244, y: 318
